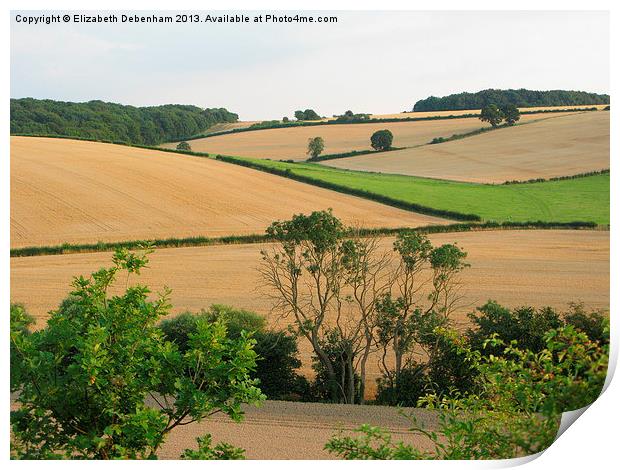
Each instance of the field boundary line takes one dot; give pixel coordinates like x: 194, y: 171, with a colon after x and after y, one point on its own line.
x: 68, y: 248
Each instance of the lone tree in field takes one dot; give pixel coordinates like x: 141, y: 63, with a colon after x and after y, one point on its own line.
x: 315, y: 147
x: 285, y: 119
x: 184, y: 146
x: 381, y: 140
x: 511, y: 114
x: 84, y: 380
x: 491, y: 114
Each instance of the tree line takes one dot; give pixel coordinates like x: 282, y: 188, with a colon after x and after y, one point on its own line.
x: 111, y: 121
x: 521, y: 98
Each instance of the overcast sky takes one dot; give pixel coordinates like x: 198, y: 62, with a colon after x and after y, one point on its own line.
x: 367, y: 62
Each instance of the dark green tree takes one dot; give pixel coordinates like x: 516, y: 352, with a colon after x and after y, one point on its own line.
x: 511, y: 114
x: 381, y: 140
x: 184, y: 146
x: 492, y: 114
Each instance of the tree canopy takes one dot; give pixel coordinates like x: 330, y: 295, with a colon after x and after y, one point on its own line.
x: 307, y: 115
x: 381, y: 140
x: 111, y: 121
x: 521, y: 98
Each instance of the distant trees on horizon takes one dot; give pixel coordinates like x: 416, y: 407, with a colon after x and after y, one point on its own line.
x: 520, y: 98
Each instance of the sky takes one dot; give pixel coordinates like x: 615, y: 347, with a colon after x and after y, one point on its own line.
x: 371, y: 62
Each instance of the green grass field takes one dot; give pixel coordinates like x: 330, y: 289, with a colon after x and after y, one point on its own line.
x: 584, y: 199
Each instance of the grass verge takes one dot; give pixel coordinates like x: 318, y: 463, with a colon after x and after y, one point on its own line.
x: 584, y: 199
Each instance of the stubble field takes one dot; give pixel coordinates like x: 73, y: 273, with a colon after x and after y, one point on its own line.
x: 292, y: 143
x: 67, y: 191
x: 557, y: 146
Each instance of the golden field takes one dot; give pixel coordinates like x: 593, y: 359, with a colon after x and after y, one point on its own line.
x: 556, y: 146
x: 292, y: 143
x: 69, y: 191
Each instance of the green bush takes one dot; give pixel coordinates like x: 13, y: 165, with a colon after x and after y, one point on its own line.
x: 405, y: 389
x: 184, y: 146
x: 84, y: 379
x: 594, y: 323
x: 516, y: 413
x: 277, y: 350
x: 525, y: 325
x: 20, y: 321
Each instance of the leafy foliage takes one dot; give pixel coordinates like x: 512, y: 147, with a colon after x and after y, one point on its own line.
x: 516, y: 412
x: 112, y: 121
x: 492, y: 114
x: 315, y: 147
x: 527, y: 326
x: 521, y: 98
x: 277, y: 351
x: 184, y: 146
x: 511, y: 113
x: 86, y: 380
x: 307, y: 115
x: 350, y: 116
x: 205, y: 451
x: 381, y: 140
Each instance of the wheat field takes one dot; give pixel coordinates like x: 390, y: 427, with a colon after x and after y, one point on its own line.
x: 292, y: 143
x: 557, y: 146
x: 69, y: 191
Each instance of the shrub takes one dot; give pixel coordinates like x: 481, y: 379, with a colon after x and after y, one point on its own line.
x: 205, y: 451
x: 406, y: 389
x: 184, y: 146
x: 85, y: 377
x: 516, y: 413
x: 277, y: 350
x: 594, y: 323
x: 285, y: 119
x: 381, y: 140
x: 20, y: 321
x: 525, y: 325
x: 277, y: 364
x: 438, y: 140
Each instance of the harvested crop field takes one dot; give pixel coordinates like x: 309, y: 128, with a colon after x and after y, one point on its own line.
x: 538, y: 268
x: 292, y: 143
x: 69, y: 191
x: 558, y: 146
x: 298, y: 431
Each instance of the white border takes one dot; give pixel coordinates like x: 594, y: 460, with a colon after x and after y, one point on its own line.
x: 590, y: 442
